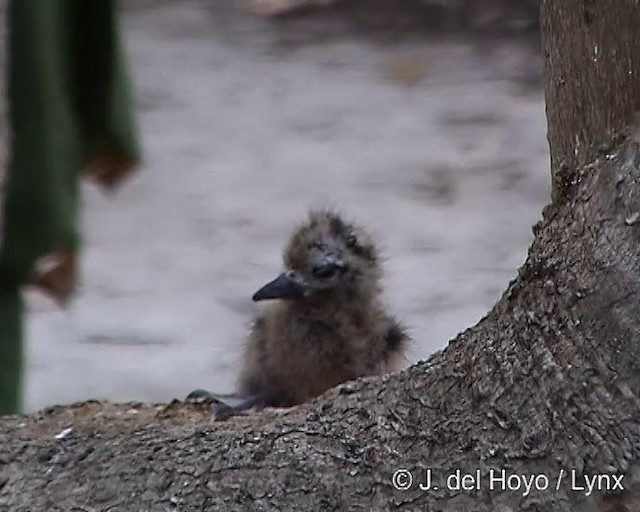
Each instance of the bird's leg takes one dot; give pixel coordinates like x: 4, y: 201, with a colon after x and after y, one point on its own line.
x: 225, y: 406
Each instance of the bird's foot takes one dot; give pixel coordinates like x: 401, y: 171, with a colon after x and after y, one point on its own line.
x: 200, y: 395
x: 226, y: 406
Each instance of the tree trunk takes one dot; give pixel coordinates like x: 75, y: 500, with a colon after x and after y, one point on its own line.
x: 545, y: 387
x: 592, y: 82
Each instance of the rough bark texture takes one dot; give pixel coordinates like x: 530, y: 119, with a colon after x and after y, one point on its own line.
x: 547, y: 382
x: 592, y: 77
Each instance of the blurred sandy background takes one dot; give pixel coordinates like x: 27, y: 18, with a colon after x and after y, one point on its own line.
x: 435, y: 143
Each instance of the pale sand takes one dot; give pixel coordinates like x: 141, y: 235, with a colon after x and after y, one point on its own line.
x: 437, y: 146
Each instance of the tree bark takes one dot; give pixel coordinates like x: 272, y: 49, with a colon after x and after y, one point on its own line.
x: 545, y: 386
x: 592, y: 78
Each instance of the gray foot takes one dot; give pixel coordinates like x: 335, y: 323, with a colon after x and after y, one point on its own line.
x: 225, y: 406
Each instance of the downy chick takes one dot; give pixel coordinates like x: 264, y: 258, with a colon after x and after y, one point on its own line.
x: 326, y: 324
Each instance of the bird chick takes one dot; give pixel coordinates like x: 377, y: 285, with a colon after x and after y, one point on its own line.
x: 326, y: 324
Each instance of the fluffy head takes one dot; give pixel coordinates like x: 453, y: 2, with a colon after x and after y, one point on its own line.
x: 326, y: 256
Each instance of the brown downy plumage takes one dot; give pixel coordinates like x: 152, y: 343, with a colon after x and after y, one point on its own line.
x: 327, y: 324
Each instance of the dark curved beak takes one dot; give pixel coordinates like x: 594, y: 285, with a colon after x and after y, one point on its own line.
x: 282, y: 287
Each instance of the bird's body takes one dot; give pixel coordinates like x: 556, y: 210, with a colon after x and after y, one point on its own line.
x: 296, y: 352
x: 327, y: 323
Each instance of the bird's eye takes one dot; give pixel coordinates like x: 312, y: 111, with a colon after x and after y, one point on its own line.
x: 325, y: 271
x: 351, y: 240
